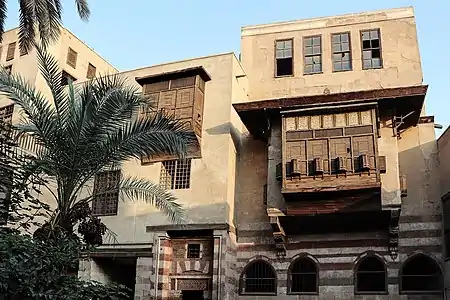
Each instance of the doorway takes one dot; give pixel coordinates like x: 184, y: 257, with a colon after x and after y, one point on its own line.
x: 192, y: 295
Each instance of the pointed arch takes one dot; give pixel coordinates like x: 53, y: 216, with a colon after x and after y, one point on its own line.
x: 420, y: 274
x: 370, y: 274
x: 303, y: 275
x: 258, y: 278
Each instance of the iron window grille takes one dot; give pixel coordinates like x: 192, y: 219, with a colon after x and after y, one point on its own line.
x: 371, y: 276
x: 303, y: 277
x: 259, y: 279
x: 175, y: 174
x: 420, y: 275
x: 193, y: 251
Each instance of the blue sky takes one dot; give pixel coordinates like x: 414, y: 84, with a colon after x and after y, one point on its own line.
x: 138, y: 33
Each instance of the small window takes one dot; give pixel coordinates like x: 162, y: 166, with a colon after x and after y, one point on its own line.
x: 106, y: 193
x: 371, y: 49
x: 283, y: 57
x: 303, y: 277
x: 6, y: 113
x: 8, y: 69
x: 371, y: 276
x: 193, y: 251
x: 259, y: 279
x: 175, y: 174
x: 312, y: 52
x: 23, y: 51
x: 11, y: 51
x: 72, y: 58
x: 342, y: 57
x: 420, y: 275
x: 66, y: 78
x: 91, y: 71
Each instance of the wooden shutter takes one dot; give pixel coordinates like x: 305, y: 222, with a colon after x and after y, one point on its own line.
x: 340, y: 148
x: 72, y: 58
x: 91, y: 71
x: 23, y: 51
x: 11, y: 51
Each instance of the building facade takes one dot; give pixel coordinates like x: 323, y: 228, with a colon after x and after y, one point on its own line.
x: 315, y: 175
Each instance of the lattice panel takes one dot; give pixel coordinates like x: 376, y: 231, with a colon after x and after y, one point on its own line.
x: 175, y: 174
x: 106, y: 193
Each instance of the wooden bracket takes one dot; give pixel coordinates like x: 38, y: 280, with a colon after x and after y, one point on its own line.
x: 279, y: 236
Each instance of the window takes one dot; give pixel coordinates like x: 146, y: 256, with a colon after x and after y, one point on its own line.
x: 193, y: 251
x: 370, y: 276
x: 11, y: 51
x: 371, y: 48
x: 259, y: 278
x: 342, y: 57
x: 312, y: 51
x: 23, y: 51
x: 72, y: 58
x: 420, y: 275
x: 6, y: 113
x: 8, y: 69
x: 91, y: 71
x: 175, y: 174
x: 106, y: 193
x: 66, y: 78
x: 283, y: 57
x: 303, y: 277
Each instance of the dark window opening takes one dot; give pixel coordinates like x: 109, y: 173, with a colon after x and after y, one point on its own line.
x: 8, y: 69
x: 303, y: 277
x: 421, y: 274
x: 342, y: 57
x: 66, y: 78
x: 283, y: 57
x: 106, y: 193
x: 371, y: 48
x: 312, y: 51
x: 193, y: 251
x: 175, y: 174
x: 259, y: 278
x: 447, y: 243
x: 371, y: 276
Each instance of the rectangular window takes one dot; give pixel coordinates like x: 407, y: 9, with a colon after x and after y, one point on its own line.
x: 283, y: 57
x: 91, y: 71
x: 106, y: 193
x: 175, y: 174
x: 72, y: 58
x: 8, y: 69
x: 11, y: 51
x: 342, y: 57
x: 23, y: 51
x: 312, y: 52
x: 371, y: 49
x: 193, y: 251
x: 66, y: 77
x: 6, y: 113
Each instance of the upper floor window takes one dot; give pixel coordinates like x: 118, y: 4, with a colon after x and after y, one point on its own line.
x: 72, y: 58
x: 66, y: 77
x: 259, y: 278
x: 284, y: 59
x: 371, y: 276
x: 342, y: 57
x: 303, y: 277
x: 23, y: 51
x: 8, y: 69
x: 106, y: 193
x: 91, y: 71
x: 420, y: 274
x: 175, y: 174
x: 6, y: 113
x: 371, y: 49
x: 11, y: 51
x: 312, y: 51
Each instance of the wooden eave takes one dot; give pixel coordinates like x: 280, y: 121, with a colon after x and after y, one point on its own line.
x: 199, y: 70
x: 255, y: 114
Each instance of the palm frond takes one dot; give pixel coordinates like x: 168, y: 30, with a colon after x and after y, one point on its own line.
x: 83, y: 9
x: 48, y: 14
x: 139, y: 189
x: 27, y: 33
x: 3, y: 11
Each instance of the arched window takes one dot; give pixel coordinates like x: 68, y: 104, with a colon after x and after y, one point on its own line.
x: 259, y: 278
x: 303, y: 277
x: 420, y: 274
x: 370, y: 276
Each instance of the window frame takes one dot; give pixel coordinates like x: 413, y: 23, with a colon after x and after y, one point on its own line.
x: 418, y: 292
x: 350, y: 49
x: 103, y: 213
x: 356, y: 272
x: 276, y: 59
x: 199, y: 250
x: 173, y: 185
x: 380, y: 47
x: 244, y: 271
x: 12, y: 46
x: 68, y: 61
x: 89, y: 70
x: 289, y: 279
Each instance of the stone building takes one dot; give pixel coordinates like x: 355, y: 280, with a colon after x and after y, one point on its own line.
x: 315, y: 175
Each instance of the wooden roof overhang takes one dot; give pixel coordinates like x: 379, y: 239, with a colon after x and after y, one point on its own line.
x: 193, y: 71
x: 401, y: 101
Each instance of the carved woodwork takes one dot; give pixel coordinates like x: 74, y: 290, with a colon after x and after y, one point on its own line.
x: 393, y: 233
x: 279, y: 235
x: 333, y: 151
x: 179, y: 95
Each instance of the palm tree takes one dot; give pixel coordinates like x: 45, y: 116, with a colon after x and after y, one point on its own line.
x: 87, y: 128
x: 43, y: 15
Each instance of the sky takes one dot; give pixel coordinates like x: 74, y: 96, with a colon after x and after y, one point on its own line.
x: 139, y: 33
